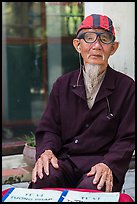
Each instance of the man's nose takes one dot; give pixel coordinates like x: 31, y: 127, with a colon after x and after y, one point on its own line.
x: 97, y: 44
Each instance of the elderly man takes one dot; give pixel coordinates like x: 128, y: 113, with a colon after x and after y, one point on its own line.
x: 85, y: 138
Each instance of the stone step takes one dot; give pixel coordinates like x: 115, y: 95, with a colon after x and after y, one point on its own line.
x: 15, y: 169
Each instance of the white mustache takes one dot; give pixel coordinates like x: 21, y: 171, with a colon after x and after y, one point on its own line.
x: 88, y: 56
x: 103, y: 56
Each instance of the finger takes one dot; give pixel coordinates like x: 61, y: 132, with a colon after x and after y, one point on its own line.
x: 102, y: 181
x: 46, y: 162
x: 54, y: 162
x: 34, y: 173
x: 109, y: 184
x: 40, y: 168
x: 92, y: 171
x: 97, y: 176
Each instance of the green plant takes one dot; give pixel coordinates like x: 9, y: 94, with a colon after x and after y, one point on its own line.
x: 30, y: 139
x: 13, y: 179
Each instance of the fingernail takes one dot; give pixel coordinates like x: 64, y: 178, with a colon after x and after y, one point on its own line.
x: 94, y: 181
x: 34, y: 180
x: 99, y: 187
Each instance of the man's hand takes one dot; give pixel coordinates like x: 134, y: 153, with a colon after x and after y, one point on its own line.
x: 103, y: 176
x: 43, y: 162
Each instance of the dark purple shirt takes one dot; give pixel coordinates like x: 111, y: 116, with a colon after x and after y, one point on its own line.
x: 69, y: 127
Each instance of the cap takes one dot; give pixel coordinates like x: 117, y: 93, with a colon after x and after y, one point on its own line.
x: 97, y: 21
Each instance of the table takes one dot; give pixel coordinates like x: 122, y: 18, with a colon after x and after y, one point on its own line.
x: 123, y: 196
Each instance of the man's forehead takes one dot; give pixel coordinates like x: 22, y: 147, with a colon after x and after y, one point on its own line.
x: 93, y: 30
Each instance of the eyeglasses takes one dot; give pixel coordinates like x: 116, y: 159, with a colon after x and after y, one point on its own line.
x: 91, y: 37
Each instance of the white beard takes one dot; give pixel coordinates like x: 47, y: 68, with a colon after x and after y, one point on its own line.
x: 92, y: 71
x: 92, y: 82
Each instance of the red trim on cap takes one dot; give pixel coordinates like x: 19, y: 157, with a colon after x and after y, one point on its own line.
x: 86, y: 23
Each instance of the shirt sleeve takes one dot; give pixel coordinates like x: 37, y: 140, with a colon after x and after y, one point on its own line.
x: 120, y: 153
x: 48, y: 133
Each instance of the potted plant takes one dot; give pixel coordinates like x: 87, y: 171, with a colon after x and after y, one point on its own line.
x: 29, y: 151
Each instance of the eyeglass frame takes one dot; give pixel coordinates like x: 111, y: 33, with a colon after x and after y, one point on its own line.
x: 82, y: 36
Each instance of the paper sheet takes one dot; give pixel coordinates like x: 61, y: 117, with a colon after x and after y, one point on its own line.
x: 39, y: 195
x: 75, y: 196
x: 33, y: 195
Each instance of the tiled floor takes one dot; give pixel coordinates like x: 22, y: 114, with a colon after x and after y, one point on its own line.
x: 15, y: 166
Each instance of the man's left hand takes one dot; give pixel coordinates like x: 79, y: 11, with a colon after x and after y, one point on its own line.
x: 103, y: 176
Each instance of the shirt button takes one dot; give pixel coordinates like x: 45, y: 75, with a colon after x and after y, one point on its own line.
x: 87, y: 125
x: 76, y: 141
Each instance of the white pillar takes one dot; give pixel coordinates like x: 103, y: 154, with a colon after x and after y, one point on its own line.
x: 123, y: 17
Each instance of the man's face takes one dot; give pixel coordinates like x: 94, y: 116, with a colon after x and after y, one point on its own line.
x: 96, y: 52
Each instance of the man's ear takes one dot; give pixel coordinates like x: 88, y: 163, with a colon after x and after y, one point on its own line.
x: 76, y: 44
x: 114, y: 47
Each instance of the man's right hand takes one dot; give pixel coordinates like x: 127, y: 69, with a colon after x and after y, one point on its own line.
x: 43, y: 162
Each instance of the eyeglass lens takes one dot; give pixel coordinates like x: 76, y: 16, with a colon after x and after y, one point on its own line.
x: 91, y: 37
